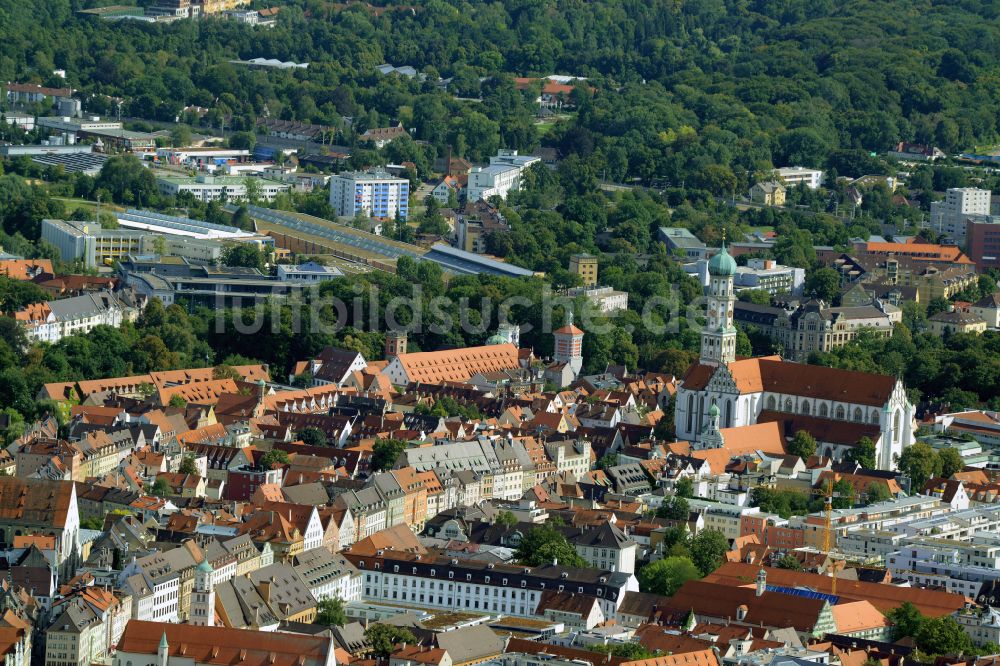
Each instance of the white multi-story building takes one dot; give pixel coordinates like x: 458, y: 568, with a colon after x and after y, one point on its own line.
x: 453, y: 584
x: 54, y: 320
x: 949, y: 216
x: 607, y: 548
x: 792, y: 176
x: 870, y: 545
x: 982, y: 624
x: 77, y: 636
x: 501, y: 176
x: 604, y: 299
x: 572, y: 456
x: 956, y: 566
x: 764, y: 274
x: 219, y: 188
x: 374, y: 194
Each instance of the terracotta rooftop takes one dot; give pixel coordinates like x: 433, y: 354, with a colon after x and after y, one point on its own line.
x: 772, y: 609
x: 41, y: 90
x: 458, y: 365
x: 24, y: 269
x: 770, y: 373
x: 921, y: 251
x: 34, y: 501
x: 932, y: 603
x: 222, y: 645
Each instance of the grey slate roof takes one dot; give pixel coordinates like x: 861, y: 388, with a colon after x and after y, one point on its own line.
x: 87, y: 305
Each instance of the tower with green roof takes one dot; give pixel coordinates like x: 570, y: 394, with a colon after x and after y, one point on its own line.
x: 203, y: 595
x: 718, y: 340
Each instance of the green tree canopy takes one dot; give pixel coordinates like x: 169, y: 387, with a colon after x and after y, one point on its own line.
x: 920, y: 462
x: 506, y: 519
x: 312, y: 436
x: 188, y: 465
x: 802, y: 445
x: 667, y: 575
x: 385, y: 452
x: 543, y: 545
x: 274, y: 457
x: 245, y: 255
x: 330, y: 612
x: 708, y: 550
x: 384, y: 637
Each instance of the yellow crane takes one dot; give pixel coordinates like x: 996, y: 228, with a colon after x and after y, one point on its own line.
x: 827, y: 493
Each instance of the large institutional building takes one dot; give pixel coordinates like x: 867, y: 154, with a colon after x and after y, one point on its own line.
x: 742, y: 389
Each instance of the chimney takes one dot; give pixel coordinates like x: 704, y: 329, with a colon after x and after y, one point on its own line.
x: 761, y: 582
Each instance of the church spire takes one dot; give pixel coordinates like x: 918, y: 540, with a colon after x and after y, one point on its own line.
x: 718, y: 339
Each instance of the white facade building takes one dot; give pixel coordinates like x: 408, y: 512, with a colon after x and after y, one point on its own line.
x: 328, y: 576
x: 437, y: 582
x: 372, y: 194
x: 981, y: 624
x: 792, y: 176
x: 949, y: 216
x: 54, y: 320
x: 501, y: 176
x: 218, y: 188
x: 958, y: 567
x: 604, y: 299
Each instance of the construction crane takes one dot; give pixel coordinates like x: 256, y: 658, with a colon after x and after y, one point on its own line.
x: 827, y: 493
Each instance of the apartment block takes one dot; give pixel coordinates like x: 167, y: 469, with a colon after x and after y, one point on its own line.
x: 949, y: 216
x: 372, y: 194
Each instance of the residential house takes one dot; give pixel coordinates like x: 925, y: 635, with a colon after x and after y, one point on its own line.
x: 770, y: 193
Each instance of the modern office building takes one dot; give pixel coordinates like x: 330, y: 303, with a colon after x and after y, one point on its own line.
x: 309, y: 272
x: 110, y: 133
x: 170, y: 278
x: 143, y: 232
x: 216, y: 188
x: 370, y: 193
x: 982, y: 236
x: 89, y: 243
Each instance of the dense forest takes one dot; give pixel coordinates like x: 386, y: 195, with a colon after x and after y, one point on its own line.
x: 708, y: 92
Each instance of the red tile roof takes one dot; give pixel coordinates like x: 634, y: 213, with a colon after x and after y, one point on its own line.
x: 222, y: 645
x: 932, y: 603
x: 458, y: 365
